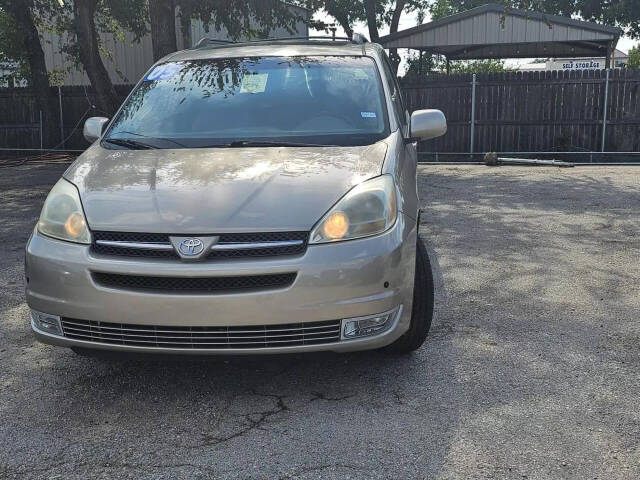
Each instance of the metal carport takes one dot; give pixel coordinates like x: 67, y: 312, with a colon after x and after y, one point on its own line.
x: 496, y: 31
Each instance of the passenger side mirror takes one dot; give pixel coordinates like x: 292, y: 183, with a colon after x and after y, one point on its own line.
x: 94, y: 127
x: 427, y: 124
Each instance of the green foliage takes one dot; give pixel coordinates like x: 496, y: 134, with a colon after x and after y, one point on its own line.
x: 478, y: 66
x: 243, y: 18
x: 346, y: 12
x: 418, y: 67
x: 349, y: 12
x: 387, y: 8
x: 443, y: 8
x: 13, y: 53
x: 117, y: 16
x: 13, y: 60
x: 112, y: 16
x: 623, y: 13
x: 634, y: 57
x: 431, y: 64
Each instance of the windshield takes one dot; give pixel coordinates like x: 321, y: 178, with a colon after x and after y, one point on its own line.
x: 307, y: 100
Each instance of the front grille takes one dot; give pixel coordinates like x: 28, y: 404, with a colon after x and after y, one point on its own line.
x: 207, y: 338
x: 189, y: 285
x: 261, y: 237
x: 225, y: 238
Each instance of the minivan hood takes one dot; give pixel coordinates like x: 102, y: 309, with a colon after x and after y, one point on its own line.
x: 218, y: 190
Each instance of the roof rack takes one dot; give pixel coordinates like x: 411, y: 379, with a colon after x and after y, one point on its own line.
x: 356, y: 38
x: 206, y: 41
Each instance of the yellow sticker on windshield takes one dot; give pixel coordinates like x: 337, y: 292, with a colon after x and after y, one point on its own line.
x: 254, y: 82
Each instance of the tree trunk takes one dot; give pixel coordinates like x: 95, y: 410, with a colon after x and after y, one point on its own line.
x: 393, y: 28
x: 395, y: 18
x: 339, y: 14
x: 370, y: 10
x: 163, y: 27
x: 107, y: 99
x: 186, y: 12
x: 21, y: 11
x: 344, y: 23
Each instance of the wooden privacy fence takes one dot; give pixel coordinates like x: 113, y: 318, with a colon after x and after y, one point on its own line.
x: 533, y: 111
x: 514, y: 112
x: 20, y: 119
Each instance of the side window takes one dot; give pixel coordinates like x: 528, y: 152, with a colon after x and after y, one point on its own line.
x: 396, y: 94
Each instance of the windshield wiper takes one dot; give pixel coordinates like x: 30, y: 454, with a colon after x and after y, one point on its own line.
x: 161, y: 139
x: 132, y: 144
x: 260, y: 143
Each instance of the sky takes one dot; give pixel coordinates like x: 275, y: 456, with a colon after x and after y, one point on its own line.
x: 411, y: 20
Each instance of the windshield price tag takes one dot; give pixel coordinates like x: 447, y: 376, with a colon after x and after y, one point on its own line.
x: 254, y: 83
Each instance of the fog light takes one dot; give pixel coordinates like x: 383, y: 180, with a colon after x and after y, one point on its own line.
x: 367, y: 326
x: 46, y: 322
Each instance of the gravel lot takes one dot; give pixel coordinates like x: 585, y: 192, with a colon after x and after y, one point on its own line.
x: 532, y: 369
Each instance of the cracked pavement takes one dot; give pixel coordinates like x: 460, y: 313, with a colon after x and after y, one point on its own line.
x: 532, y: 368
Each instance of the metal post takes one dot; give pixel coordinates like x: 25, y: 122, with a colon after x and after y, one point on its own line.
x: 610, y: 55
x: 61, y: 116
x: 604, y: 115
x: 473, y: 113
x: 40, y: 130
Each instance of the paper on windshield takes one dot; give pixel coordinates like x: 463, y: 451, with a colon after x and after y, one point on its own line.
x: 163, y: 72
x: 254, y: 83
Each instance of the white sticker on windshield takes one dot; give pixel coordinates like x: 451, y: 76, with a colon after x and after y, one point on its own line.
x: 163, y: 72
x: 368, y: 114
x: 254, y: 82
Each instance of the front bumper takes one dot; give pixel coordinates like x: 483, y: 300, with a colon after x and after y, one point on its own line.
x: 334, y: 281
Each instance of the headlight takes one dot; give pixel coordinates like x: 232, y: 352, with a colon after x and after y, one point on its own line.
x: 367, y: 209
x: 62, y: 216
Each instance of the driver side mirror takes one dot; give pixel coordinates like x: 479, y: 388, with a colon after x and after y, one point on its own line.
x: 427, y: 124
x: 94, y: 127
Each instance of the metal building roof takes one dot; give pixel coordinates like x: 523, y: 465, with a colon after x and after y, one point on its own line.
x: 495, y: 31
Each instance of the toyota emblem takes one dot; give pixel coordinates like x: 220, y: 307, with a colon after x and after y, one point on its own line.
x: 191, y: 247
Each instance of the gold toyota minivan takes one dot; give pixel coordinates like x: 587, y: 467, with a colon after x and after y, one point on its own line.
x: 252, y: 198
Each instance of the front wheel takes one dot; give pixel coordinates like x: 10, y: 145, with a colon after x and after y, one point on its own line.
x: 422, y: 311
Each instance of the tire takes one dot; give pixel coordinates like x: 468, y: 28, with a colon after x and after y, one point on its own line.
x: 422, y: 310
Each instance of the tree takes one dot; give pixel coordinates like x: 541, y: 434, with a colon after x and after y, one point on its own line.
x: 240, y: 18
x: 20, y: 18
x: 443, y: 8
x: 376, y: 13
x: 162, y: 15
x: 477, y: 66
x: 391, y: 13
x: 345, y: 12
x: 81, y: 22
x: 420, y: 65
x: 622, y: 13
x: 186, y: 14
x: 372, y: 19
x: 634, y: 57
x: 88, y: 51
x: 91, y: 17
x: 429, y: 64
x: 13, y: 53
